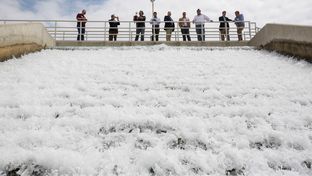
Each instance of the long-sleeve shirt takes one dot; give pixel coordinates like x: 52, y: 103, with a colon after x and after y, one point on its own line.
x: 81, y: 20
x: 155, y: 21
x: 140, y: 21
x: 184, y: 22
x: 201, y: 19
x: 239, y: 21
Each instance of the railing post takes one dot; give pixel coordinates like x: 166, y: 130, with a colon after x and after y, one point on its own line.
x: 105, y: 31
x: 249, y: 30
x: 55, y: 29
x: 130, y: 32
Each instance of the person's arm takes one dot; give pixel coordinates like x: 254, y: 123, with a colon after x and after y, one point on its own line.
x: 188, y: 23
x: 151, y: 21
x: 207, y: 19
x: 180, y: 22
x: 157, y: 21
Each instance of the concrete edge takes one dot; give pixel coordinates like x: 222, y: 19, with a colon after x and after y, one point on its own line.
x: 20, y: 39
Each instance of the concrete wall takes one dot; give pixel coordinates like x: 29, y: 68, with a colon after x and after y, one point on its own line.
x: 292, y: 40
x: 19, y: 39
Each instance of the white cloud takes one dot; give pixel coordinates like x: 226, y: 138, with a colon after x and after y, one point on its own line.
x: 260, y: 11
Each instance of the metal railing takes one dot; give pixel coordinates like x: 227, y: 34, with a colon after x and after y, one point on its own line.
x: 99, y: 30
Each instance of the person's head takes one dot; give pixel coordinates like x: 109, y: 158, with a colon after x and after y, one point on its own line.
x: 198, y: 12
x: 155, y: 14
x: 84, y: 11
x: 113, y: 16
x: 236, y: 13
x: 169, y: 13
x: 224, y: 13
x: 141, y: 13
x: 184, y: 14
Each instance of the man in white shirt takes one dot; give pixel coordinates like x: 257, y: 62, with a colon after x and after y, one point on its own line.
x: 155, y: 21
x: 200, y: 20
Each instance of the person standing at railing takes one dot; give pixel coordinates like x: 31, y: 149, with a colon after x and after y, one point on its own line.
x: 240, y: 24
x: 200, y: 20
x: 169, y: 26
x: 224, y: 26
x: 81, y: 24
x: 113, y: 28
x: 185, y: 24
x: 140, y: 25
x: 155, y: 21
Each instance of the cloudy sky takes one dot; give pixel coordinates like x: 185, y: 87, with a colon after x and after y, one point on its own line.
x: 260, y: 11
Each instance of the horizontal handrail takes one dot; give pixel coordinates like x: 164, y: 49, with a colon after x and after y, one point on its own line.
x: 99, y: 30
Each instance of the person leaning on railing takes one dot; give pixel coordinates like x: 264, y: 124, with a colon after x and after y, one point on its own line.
x: 240, y: 24
x: 224, y: 26
x: 169, y: 26
x: 81, y: 24
x: 185, y: 24
x: 113, y: 28
x: 140, y: 25
x: 200, y: 20
x: 155, y: 21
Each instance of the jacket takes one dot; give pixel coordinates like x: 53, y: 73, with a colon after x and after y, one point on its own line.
x: 169, y: 24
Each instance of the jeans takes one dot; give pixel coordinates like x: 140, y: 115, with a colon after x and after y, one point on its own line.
x: 81, y: 32
x: 200, y: 31
x: 138, y: 32
x: 186, y: 34
x: 155, y: 33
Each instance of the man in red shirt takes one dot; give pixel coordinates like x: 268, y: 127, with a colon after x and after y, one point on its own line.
x: 81, y: 24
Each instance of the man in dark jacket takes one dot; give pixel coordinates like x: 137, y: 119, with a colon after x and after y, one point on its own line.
x: 140, y: 25
x: 224, y: 27
x: 113, y: 28
x: 169, y: 26
x: 81, y: 24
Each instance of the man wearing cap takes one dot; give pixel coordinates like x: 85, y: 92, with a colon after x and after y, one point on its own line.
x: 81, y: 24
x: 200, y: 20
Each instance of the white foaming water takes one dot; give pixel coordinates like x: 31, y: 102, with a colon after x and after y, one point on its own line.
x: 156, y: 111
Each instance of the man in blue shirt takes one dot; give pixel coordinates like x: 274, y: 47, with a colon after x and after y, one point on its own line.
x: 240, y: 24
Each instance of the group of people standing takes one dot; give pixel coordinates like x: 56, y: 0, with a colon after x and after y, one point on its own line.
x: 184, y: 24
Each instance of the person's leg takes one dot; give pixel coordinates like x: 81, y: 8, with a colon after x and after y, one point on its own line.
x: 115, y: 37
x: 153, y: 34
x: 183, y: 34
x: 222, y: 33
x: 137, y: 34
x: 83, y: 31
x: 198, y: 32
x: 79, y: 33
x: 228, y: 35
x: 142, y: 34
x: 157, y: 33
x: 187, y: 33
x: 239, y: 33
x: 203, y: 35
x: 110, y: 37
x: 168, y: 34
